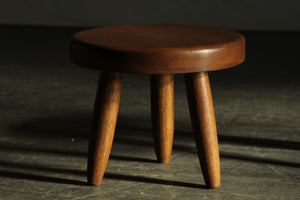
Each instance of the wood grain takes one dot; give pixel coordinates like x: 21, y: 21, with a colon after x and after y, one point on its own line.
x: 161, y: 50
x: 162, y: 113
x: 204, y: 126
x: 158, y: 48
x: 103, y: 124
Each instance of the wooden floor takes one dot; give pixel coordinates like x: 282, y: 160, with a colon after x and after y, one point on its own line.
x: 46, y: 106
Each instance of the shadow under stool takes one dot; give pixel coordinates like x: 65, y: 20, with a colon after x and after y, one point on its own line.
x: 160, y: 50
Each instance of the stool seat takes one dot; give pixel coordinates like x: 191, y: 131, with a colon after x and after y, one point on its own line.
x: 158, y: 48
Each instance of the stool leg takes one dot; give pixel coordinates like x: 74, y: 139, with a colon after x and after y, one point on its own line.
x: 204, y: 126
x: 162, y: 114
x: 103, y: 124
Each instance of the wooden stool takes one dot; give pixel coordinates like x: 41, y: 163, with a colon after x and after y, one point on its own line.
x: 160, y: 50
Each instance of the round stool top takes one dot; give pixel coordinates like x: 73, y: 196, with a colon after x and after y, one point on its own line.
x: 158, y: 48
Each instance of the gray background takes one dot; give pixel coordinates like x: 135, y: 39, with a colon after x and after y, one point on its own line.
x: 236, y: 14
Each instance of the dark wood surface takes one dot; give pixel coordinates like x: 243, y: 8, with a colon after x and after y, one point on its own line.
x: 104, y: 123
x: 158, y: 49
x: 204, y: 126
x: 162, y: 114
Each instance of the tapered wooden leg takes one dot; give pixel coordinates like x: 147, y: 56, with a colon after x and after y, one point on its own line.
x: 204, y: 126
x: 103, y: 124
x: 162, y: 113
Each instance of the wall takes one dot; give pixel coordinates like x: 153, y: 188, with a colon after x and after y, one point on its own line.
x: 237, y: 14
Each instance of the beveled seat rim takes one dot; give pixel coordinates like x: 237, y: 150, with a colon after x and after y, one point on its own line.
x: 87, y: 53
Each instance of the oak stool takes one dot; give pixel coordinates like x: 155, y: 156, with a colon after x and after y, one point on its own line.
x: 160, y: 50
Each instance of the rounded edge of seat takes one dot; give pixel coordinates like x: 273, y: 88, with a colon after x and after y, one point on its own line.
x: 159, y: 62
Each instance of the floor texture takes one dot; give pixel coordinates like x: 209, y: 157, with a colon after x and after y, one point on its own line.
x: 46, y: 105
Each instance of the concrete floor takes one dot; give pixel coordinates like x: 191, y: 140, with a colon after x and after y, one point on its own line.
x: 46, y: 106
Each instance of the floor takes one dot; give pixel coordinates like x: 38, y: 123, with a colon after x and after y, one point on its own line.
x: 45, y: 110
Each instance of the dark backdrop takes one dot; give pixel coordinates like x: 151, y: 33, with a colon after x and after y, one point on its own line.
x: 236, y: 14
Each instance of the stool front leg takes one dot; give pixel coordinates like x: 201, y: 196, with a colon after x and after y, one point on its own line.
x: 162, y: 114
x: 103, y: 125
x: 204, y: 126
